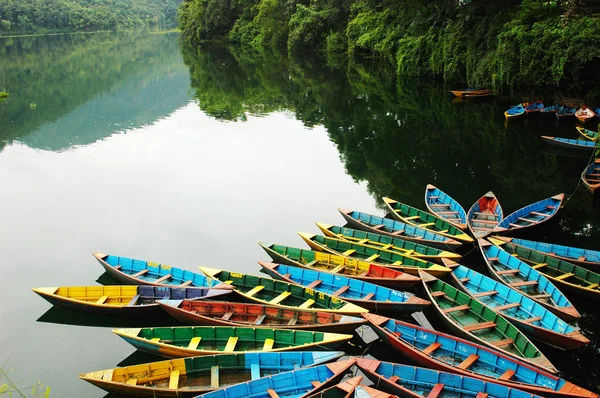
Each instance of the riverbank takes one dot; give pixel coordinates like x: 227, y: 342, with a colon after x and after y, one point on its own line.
x: 153, y: 32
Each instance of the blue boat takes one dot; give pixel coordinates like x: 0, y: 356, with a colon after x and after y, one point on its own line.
x: 531, y: 215
x: 484, y: 215
x: 569, y: 143
x: 437, y: 350
x: 536, y: 106
x: 515, y: 111
x: 521, y: 276
x: 551, y: 110
x: 397, y: 229
x: 444, y: 206
x: 532, y: 318
x: 412, y: 381
x: 140, y: 272
x: 367, y: 295
x: 597, y: 112
x: 586, y: 258
x: 294, y: 384
x: 565, y: 112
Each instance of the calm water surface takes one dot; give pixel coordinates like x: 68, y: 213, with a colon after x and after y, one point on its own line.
x: 135, y: 147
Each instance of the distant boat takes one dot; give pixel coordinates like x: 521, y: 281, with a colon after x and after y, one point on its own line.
x: 484, y: 215
x: 597, y: 112
x: 586, y: 258
x: 415, y: 382
x: 475, y: 321
x: 527, y: 280
x: 121, y: 299
x: 584, y: 114
x: 471, y: 92
x: 189, y: 377
x: 448, y: 353
x: 591, y: 177
x: 589, y: 134
x: 185, y: 341
x: 530, y: 317
x: 550, y: 110
x: 444, y: 206
x: 386, y: 226
x: 569, y: 143
x: 225, y: 313
x: 333, y: 264
x: 566, y: 112
x: 534, y: 107
x: 367, y: 295
x: 531, y: 215
x: 419, y: 218
x: 515, y: 111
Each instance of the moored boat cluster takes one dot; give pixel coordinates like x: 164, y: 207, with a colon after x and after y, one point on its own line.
x: 255, y: 336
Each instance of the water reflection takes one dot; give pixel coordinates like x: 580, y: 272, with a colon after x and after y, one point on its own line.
x: 65, y: 316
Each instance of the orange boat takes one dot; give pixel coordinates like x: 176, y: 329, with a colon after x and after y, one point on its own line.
x: 584, y: 113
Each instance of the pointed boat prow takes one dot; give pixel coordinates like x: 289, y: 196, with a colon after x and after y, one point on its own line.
x: 450, y: 263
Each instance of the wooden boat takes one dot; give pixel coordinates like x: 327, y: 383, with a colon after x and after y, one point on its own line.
x: 531, y: 215
x: 534, y: 107
x: 569, y: 143
x: 281, y: 294
x: 591, y: 177
x: 586, y: 258
x: 444, y: 206
x: 340, y: 265
x: 419, y: 218
x: 470, y: 92
x: 387, y: 243
x: 363, y: 391
x: 584, y: 114
x: 515, y: 111
x: 371, y: 254
x: 189, y: 377
x: 412, y: 381
x: 587, y: 133
x: 225, y: 313
x: 597, y: 112
x: 532, y: 318
x: 550, y: 110
x: 570, y: 277
x: 565, y: 112
x: 521, y: 276
x: 140, y: 272
x: 121, y: 300
x: 484, y: 215
x: 386, y: 226
x: 448, y: 353
x: 475, y: 321
x: 301, y: 383
x: 344, y: 389
x: 186, y: 341
x: 367, y: 295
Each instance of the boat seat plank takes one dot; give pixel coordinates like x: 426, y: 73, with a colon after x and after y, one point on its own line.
x: 155, y: 339
x: 132, y: 382
x: 538, y: 266
x: 527, y: 220
x: 142, y: 272
x: 457, y: 308
x: 268, y: 346
x: 260, y: 319
x: 272, y: 393
x: 493, y: 259
x: 427, y: 224
x: 186, y: 283
x: 470, y: 360
x: 447, y: 212
x: 524, y: 283
x: 506, y: 306
x: 255, y: 290
x: 398, y: 232
x: 340, y: 291
x: 316, y: 384
x: 535, y: 213
x: 464, y: 280
x: 397, y: 263
x: 174, y: 380
x: 368, y: 296
x: 214, y: 377
x: 293, y: 321
x: 307, y: 304
x: 541, y: 296
x: 582, y: 258
x: 485, y: 294
x: 314, y: 284
x: 194, y: 343
x: 118, y: 267
x: 312, y: 263
x: 102, y: 300
x: 439, y: 205
x: 280, y: 298
x: 231, y: 343
x: 507, y: 375
x: 163, y: 278
x: 479, y: 326
x: 531, y: 320
x: 486, y: 214
x: 409, y: 218
x: 338, y: 269
x: 393, y: 379
x: 481, y: 394
x: 436, y: 391
x: 564, y: 276
x: 108, y: 375
x: 508, y: 271
x: 438, y: 293
x: 378, y: 226
x: 362, y: 241
x: 551, y: 207
x: 255, y: 371
x: 592, y: 286
x: 226, y: 316
x: 502, y: 343
x: 431, y: 348
x: 348, y: 252
x: 375, y: 256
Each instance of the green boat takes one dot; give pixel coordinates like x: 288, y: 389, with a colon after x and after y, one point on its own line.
x: 473, y: 320
x: 422, y: 219
x: 386, y: 242
x: 372, y: 254
x: 282, y: 294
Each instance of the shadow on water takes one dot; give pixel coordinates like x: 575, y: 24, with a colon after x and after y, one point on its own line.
x: 65, y: 316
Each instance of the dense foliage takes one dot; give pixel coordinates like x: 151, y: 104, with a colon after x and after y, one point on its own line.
x: 505, y: 43
x: 33, y: 16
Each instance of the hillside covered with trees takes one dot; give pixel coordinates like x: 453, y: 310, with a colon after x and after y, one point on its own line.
x: 40, y: 16
x: 502, y: 43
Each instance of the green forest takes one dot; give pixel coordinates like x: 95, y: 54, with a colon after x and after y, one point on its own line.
x: 42, y: 16
x: 499, y: 44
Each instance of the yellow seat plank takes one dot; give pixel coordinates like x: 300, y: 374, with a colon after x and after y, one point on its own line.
x: 592, y: 286
x: 255, y: 290
x: 174, y: 380
x: 564, y: 276
x: 371, y: 258
x: 194, y: 342
x: 538, y: 266
x: 214, y: 377
x: 348, y: 252
x: 231, y: 343
x: 132, y: 382
x: 307, y: 304
x: 363, y: 241
x: 268, y: 346
x: 155, y: 339
x: 338, y: 269
x: 427, y: 224
x: 412, y: 218
x: 102, y: 300
x: 397, y: 262
x: 280, y: 298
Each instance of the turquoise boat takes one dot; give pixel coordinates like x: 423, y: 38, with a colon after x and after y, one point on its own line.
x: 586, y: 258
x: 140, y: 272
x: 532, y: 318
x: 534, y: 107
x: 367, y: 295
x: 551, y: 110
x: 437, y: 350
x: 515, y: 111
x: 565, y: 112
x: 569, y: 143
x: 397, y: 229
x: 299, y: 383
x: 521, y: 276
x: 531, y: 215
x: 412, y: 381
x: 444, y: 206
x: 484, y: 215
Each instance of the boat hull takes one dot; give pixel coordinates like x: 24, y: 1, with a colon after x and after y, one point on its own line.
x: 90, y: 308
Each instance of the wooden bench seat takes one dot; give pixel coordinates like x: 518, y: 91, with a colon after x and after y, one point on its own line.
x: 507, y: 375
x: 231, y: 343
x: 481, y: 394
x: 174, y: 380
x: 163, y: 278
x: 348, y: 252
x: 338, y: 269
x: 541, y: 296
x: 485, y: 294
x: 314, y: 284
x: 457, y: 308
x: 427, y: 224
x: 378, y: 226
x: 502, y: 343
x: 479, y: 326
x: 409, y: 218
x: 438, y: 294
x: 254, y: 290
x: 564, y: 276
x: 524, y: 283
x: 260, y: 319
x: 470, y: 360
x: 538, y: 266
x: 102, y: 300
x: 535, y: 213
x: 376, y: 256
x: 155, y: 339
x: 486, y: 214
x: 186, y: 283
x: 340, y: 291
x: 307, y: 304
x: 436, y: 391
x: 493, y: 259
x: 393, y: 379
x: 194, y: 343
x: 508, y: 271
x: 226, y: 316
x: 142, y: 272
x: 431, y: 348
x: 531, y: 320
x: 398, y: 232
x: 282, y: 296
x: 592, y: 286
x: 464, y: 280
x: 293, y: 321
x: 506, y: 306
x: 368, y: 296
x: 214, y: 377
x: 272, y: 393
x: 268, y: 346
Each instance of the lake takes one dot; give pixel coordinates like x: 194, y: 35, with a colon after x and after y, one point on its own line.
x: 127, y: 143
